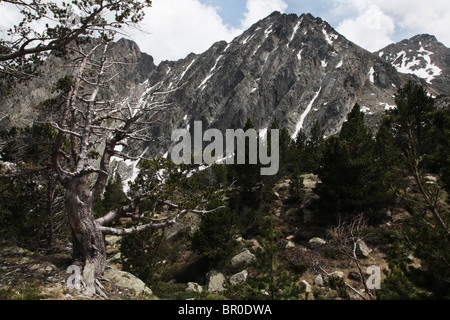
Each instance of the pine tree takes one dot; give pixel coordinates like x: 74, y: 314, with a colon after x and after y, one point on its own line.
x: 314, y: 145
x: 351, y: 182
x: 32, y: 204
x: 113, y: 197
x: 247, y: 175
x: 413, y: 107
x: 214, y: 237
x: 390, y: 161
x: 437, y: 160
x: 308, y: 149
x: 421, y: 134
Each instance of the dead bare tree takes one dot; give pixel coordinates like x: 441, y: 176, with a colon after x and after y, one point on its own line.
x: 346, y: 238
x: 95, y: 126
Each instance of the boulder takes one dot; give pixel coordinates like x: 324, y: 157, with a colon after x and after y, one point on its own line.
x: 127, y: 280
x: 239, y: 277
x: 215, y: 281
x: 362, y: 249
x: 336, y: 274
x: 290, y: 244
x: 304, y: 284
x: 282, y: 187
x: 318, y: 281
x: 316, y: 243
x: 194, y: 287
x: 243, y: 258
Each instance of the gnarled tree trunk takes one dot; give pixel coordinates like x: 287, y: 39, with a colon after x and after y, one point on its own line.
x: 88, y: 241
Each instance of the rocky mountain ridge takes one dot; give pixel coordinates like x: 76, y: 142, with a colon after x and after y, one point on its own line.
x: 422, y: 56
x: 294, y: 69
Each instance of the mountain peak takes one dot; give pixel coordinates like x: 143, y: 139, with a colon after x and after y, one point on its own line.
x: 289, y: 68
x: 424, y: 40
x: 422, y: 56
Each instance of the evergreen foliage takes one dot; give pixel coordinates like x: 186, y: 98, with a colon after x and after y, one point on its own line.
x: 114, y: 197
x: 308, y: 149
x: 421, y: 133
x: 271, y: 281
x: 214, y: 238
x: 31, y: 205
x: 397, y: 286
x: 350, y: 172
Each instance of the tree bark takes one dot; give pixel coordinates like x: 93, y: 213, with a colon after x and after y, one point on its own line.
x: 88, y: 241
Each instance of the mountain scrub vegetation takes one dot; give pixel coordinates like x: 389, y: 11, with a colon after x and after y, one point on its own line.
x: 358, y: 174
x: 358, y: 213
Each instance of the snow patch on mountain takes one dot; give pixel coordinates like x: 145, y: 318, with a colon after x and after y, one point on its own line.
x: 419, y: 64
x: 330, y: 38
x: 299, y: 125
x: 211, y: 72
x: 371, y: 75
x: 294, y: 32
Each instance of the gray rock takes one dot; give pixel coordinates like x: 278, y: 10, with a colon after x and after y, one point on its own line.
x: 112, y: 240
x: 194, y: 287
x: 243, y: 258
x: 304, y: 284
x: 334, y: 274
x: 319, y: 281
x: 337, y: 274
x: 316, y: 243
x: 216, y: 281
x: 127, y: 280
x: 239, y: 277
x: 362, y: 249
x: 282, y: 187
x: 290, y: 244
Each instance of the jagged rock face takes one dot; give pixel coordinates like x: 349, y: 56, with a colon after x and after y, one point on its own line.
x: 297, y: 70
x: 424, y: 57
x: 20, y: 108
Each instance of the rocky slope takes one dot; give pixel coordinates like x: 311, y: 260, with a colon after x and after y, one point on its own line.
x: 34, y: 275
x: 424, y: 57
x: 20, y: 108
x: 297, y: 70
x: 303, y: 248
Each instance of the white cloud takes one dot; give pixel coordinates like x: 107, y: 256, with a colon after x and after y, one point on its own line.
x: 372, y: 29
x: 409, y: 17
x: 258, y: 9
x: 176, y: 28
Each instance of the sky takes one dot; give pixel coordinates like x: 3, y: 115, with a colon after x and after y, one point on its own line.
x: 172, y: 29
x: 178, y: 27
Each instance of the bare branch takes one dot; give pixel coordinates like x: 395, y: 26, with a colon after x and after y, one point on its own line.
x: 57, y: 127
x: 154, y: 226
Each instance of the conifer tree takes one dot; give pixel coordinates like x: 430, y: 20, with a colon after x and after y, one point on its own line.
x: 247, y: 175
x: 421, y: 133
x: 350, y: 173
x: 31, y: 204
x: 214, y: 237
